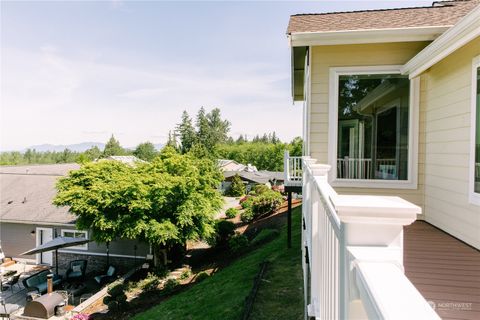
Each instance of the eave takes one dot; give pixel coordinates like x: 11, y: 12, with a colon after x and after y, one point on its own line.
x: 467, y: 29
x: 302, y: 39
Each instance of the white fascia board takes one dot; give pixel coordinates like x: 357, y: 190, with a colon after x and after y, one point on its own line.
x: 467, y: 29
x: 300, y: 39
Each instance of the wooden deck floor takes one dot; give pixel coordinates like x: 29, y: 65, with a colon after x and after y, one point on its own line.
x: 445, y: 271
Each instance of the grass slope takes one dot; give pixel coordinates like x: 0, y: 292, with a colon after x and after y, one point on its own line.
x: 222, y: 296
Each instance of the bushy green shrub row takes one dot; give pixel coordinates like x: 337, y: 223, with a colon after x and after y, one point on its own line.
x: 266, y: 202
x: 231, y: 213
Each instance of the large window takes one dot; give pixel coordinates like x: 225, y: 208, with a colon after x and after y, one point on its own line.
x: 475, y: 170
x: 76, y: 234
x: 372, y: 126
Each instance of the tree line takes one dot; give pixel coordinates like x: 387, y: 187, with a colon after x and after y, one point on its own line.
x: 206, y: 135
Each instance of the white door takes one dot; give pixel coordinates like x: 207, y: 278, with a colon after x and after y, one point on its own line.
x: 44, y: 235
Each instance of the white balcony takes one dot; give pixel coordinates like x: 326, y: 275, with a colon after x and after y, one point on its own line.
x: 293, y: 170
x: 354, y: 253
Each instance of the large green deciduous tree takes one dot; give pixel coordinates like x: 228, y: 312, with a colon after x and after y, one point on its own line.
x: 166, y: 202
x: 145, y: 151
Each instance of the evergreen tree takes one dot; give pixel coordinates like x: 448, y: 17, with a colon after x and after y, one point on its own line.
x: 203, y: 131
x: 145, y: 151
x: 218, y: 128
x: 172, y: 140
x: 185, y: 129
x: 113, y: 148
x: 240, y: 139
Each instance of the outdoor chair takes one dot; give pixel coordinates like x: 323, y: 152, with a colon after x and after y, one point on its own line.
x: 105, y: 278
x: 10, y: 283
x: 77, y: 270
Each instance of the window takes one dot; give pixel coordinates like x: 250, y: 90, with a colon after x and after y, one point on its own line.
x: 76, y: 234
x: 370, y: 142
x: 475, y: 136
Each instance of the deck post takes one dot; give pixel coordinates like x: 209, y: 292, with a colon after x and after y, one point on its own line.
x: 289, y: 219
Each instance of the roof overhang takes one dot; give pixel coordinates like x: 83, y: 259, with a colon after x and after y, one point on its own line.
x: 467, y: 29
x: 299, y: 55
x: 302, y: 39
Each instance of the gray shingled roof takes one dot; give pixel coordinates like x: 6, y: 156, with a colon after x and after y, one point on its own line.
x: 440, y: 14
x: 257, y: 177
x: 26, y: 194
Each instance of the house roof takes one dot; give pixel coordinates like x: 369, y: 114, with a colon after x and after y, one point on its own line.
x: 440, y: 14
x: 257, y: 177
x: 27, y: 193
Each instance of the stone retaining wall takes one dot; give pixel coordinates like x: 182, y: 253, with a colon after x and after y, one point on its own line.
x: 98, y: 264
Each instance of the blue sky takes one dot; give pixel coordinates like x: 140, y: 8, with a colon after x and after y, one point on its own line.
x: 80, y: 71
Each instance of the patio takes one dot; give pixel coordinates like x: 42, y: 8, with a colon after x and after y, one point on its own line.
x: 15, y: 300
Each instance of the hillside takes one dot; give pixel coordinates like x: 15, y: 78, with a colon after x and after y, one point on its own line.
x: 222, y: 296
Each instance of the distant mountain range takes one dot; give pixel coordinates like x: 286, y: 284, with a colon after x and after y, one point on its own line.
x: 77, y: 147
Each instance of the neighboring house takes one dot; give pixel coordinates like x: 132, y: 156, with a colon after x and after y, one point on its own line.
x: 232, y: 165
x: 392, y: 104
x: 131, y: 160
x: 251, y: 179
x: 28, y: 218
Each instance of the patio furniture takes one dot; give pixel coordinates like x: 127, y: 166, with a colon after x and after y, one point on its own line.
x: 77, y: 270
x: 38, y: 281
x: 11, y: 282
x: 105, y: 278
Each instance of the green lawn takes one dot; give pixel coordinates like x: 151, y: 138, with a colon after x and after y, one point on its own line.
x: 222, y: 296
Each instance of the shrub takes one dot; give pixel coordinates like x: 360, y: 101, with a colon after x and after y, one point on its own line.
x: 231, y: 213
x: 201, y: 276
x: 266, y: 203
x: 237, y: 188
x: 247, y: 215
x: 266, y: 235
x: 246, y: 202
x: 150, y: 282
x: 238, y: 243
x: 160, y: 271
x: 224, y: 229
x: 170, y: 284
x: 116, y: 290
x: 116, y: 299
x: 261, y: 189
x: 185, y: 274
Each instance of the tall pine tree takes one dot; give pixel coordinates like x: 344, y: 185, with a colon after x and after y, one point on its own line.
x: 113, y: 148
x: 186, y: 131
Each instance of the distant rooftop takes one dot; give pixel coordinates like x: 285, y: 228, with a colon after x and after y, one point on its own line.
x: 440, y: 14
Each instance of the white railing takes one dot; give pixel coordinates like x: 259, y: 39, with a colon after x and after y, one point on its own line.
x: 293, y: 170
x: 354, y: 253
x: 362, y: 168
x: 353, y: 168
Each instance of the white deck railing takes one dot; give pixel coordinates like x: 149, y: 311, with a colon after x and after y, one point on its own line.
x: 293, y: 170
x: 362, y: 168
x: 353, y: 248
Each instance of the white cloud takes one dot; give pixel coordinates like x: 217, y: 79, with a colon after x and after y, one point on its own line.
x: 49, y: 98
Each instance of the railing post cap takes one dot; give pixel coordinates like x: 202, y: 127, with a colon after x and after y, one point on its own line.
x: 375, y: 209
x: 320, y: 169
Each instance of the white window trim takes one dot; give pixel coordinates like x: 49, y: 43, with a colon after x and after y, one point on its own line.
x: 474, y: 197
x: 80, y: 247
x: 414, y: 105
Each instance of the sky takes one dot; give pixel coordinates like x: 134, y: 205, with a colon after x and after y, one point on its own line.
x: 77, y: 71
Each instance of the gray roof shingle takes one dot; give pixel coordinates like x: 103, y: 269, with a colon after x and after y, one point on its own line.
x: 27, y: 193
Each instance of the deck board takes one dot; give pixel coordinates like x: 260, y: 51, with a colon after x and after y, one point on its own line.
x: 445, y: 270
